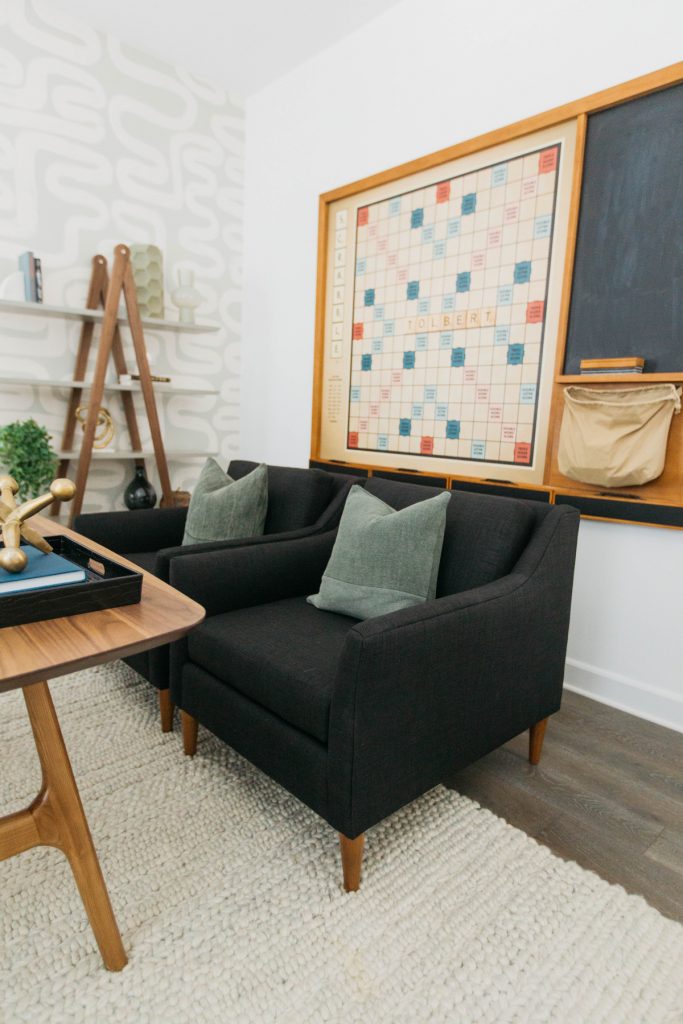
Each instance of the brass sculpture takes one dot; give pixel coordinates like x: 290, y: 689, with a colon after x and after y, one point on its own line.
x: 104, y: 431
x: 13, y: 520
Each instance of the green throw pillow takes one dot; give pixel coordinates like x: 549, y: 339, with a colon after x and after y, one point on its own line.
x: 383, y: 560
x: 225, y: 509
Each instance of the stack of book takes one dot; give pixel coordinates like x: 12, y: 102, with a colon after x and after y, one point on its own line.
x: 626, y: 364
x: 41, y: 571
x: 30, y: 267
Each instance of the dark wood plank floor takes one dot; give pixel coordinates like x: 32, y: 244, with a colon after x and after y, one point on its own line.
x: 607, y: 794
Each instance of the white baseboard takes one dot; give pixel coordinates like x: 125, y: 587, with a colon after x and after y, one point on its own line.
x: 650, y: 702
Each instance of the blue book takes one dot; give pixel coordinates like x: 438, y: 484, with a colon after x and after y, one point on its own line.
x: 27, y: 265
x: 42, y: 571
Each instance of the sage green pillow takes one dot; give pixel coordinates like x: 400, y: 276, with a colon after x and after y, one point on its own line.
x: 383, y: 560
x: 225, y: 509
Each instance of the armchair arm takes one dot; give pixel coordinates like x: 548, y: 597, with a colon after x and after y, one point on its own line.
x: 428, y: 689
x: 141, y: 530
x: 245, y: 575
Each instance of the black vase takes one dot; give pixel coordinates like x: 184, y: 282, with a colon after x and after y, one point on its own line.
x: 139, y: 493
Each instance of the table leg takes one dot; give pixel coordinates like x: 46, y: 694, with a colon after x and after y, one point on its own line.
x: 56, y: 818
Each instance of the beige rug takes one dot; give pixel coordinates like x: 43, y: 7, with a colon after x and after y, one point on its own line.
x: 228, y: 895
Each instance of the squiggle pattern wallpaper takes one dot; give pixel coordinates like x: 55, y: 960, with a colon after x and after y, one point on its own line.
x: 101, y: 144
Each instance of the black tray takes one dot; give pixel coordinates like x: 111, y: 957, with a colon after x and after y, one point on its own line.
x: 107, y: 585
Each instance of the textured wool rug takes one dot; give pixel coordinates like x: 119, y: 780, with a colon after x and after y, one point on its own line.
x: 228, y: 895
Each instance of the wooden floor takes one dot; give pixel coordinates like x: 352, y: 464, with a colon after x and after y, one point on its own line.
x: 607, y: 794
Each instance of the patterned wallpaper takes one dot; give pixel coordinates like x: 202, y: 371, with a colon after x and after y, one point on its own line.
x: 101, y: 144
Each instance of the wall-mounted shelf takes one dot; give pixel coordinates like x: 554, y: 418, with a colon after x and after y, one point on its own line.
x: 619, y: 378
x: 160, y: 388
x: 95, y: 315
x: 112, y: 454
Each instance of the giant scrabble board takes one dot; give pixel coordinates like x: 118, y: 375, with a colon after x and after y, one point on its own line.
x: 441, y: 309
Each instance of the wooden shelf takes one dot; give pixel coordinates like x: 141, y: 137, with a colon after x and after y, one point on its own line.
x: 619, y: 378
x: 24, y: 308
x: 112, y: 454
x: 159, y: 388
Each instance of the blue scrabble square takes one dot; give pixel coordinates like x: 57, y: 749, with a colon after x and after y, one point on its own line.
x: 394, y: 206
x: 355, y: 394
x: 377, y: 345
x: 439, y: 250
x: 463, y: 281
x: 441, y: 412
x: 453, y: 227
x: 448, y: 304
x: 428, y: 233
x: 360, y: 266
x: 404, y: 428
x: 388, y: 327
x: 527, y: 394
x: 469, y: 203
x: 505, y: 295
x: 418, y: 412
x: 453, y: 430
x: 542, y: 225
x: 478, y: 449
x: 421, y: 342
x: 515, y: 354
x: 366, y: 362
x: 413, y: 290
x: 430, y: 393
x: 522, y: 273
x: 379, y: 313
x: 369, y: 297
x: 408, y: 360
x: 445, y: 339
x: 423, y: 307
x: 417, y: 218
x: 501, y: 335
x: 499, y: 175
x: 383, y: 442
x: 457, y: 357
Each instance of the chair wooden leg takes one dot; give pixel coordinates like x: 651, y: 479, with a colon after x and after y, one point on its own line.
x: 190, y: 728
x: 352, y: 859
x: 166, y: 708
x: 536, y: 736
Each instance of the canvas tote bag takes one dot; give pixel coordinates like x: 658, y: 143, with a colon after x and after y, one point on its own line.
x: 616, y: 438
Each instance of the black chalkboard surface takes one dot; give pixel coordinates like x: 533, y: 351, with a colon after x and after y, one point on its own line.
x: 627, y: 290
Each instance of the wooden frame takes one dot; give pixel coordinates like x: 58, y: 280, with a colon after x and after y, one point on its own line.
x: 664, y: 493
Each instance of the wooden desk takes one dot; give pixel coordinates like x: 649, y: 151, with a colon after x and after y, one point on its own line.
x: 31, y: 654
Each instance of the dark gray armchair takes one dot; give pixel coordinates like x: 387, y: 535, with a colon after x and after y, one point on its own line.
x: 301, y: 503
x: 357, y: 718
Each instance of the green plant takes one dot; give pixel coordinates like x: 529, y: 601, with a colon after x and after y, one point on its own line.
x: 25, y: 454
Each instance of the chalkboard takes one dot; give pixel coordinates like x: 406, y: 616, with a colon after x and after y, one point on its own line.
x: 627, y: 290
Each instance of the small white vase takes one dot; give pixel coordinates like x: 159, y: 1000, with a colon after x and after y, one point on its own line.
x: 186, y: 297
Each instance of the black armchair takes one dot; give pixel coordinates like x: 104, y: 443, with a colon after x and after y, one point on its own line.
x: 301, y: 503
x: 357, y: 718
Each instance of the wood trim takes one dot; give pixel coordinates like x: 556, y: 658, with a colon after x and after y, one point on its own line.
x: 619, y: 378
x: 319, y: 344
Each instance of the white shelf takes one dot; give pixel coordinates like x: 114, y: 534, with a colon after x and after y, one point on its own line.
x: 112, y: 454
x: 159, y: 387
x: 24, y: 308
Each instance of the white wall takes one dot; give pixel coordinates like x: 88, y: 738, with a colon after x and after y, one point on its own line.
x: 423, y: 76
x: 101, y: 144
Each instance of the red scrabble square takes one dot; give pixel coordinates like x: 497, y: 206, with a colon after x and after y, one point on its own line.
x: 363, y: 214
x: 357, y: 332
x: 523, y: 452
x: 547, y: 160
x: 353, y: 439
x: 443, y: 191
x: 426, y: 445
x: 534, y: 312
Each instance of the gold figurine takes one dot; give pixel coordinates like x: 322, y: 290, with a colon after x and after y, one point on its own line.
x: 104, y: 431
x: 13, y: 520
